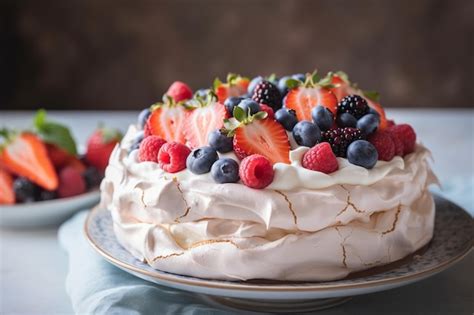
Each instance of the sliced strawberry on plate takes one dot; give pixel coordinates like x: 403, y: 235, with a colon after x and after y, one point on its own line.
x: 258, y: 134
x: 26, y: 155
x: 7, y: 195
x: 58, y: 156
x: 235, y: 86
x: 167, y: 121
x: 201, y: 121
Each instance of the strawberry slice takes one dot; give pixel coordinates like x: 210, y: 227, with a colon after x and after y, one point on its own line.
x: 25, y: 155
x: 265, y: 137
x: 167, y: 122
x: 235, y: 86
x: 202, y: 121
x: 303, y: 99
x: 7, y: 196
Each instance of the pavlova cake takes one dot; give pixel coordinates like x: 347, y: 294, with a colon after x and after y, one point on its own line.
x: 297, y: 178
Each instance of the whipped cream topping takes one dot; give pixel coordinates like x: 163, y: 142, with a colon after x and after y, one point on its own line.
x: 305, y: 226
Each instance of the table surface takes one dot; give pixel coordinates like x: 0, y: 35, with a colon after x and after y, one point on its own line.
x: 33, y: 267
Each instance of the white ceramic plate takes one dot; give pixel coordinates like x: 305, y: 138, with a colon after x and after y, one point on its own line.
x: 44, y: 213
x: 453, y: 239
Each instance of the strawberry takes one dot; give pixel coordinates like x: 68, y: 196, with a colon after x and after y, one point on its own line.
x: 235, y: 86
x: 203, y: 120
x: 267, y: 109
x: 7, y: 195
x: 258, y: 134
x: 59, y: 157
x: 179, y: 91
x: 304, y: 96
x: 167, y: 121
x: 75, y: 163
x: 26, y: 155
x: 71, y: 182
x: 100, y: 145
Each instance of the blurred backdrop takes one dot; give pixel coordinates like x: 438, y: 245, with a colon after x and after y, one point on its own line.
x: 110, y: 54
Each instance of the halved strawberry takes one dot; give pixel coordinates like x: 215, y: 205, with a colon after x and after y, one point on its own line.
x: 7, y: 195
x: 235, y: 86
x: 25, y: 155
x: 202, y: 121
x: 265, y: 137
x: 303, y: 99
x: 167, y: 122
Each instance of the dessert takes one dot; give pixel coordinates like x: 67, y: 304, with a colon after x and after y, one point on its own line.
x: 301, y: 178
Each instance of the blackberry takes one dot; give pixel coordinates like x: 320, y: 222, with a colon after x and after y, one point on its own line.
x: 92, y: 177
x: 353, y: 104
x: 340, y: 138
x: 267, y: 93
x: 25, y: 190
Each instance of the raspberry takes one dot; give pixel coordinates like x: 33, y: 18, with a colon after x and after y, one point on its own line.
x: 320, y: 158
x: 268, y: 110
x: 340, y: 138
x: 390, y: 123
x: 256, y: 171
x: 179, y: 91
x: 172, y: 157
x: 71, y: 182
x: 407, y: 135
x: 398, y: 144
x: 267, y: 93
x: 149, y: 148
x: 353, y: 104
x: 382, y: 141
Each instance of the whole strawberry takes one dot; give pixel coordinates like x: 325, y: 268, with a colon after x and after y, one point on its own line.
x: 179, y: 91
x: 100, y: 145
x: 71, y: 182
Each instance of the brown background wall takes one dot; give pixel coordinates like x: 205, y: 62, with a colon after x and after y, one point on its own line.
x: 109, y: 54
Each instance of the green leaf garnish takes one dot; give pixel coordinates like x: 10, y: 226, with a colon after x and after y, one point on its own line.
x: 292, y: 83
x: 239, y: 114
x: 54, y: 133
x: 372, y: 95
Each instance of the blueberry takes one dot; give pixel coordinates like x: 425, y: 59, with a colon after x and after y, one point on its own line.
x: 92, y: 177
x: 362, y: 153
x: 322, y: 117
x: 137, y: 140
x: 231, y: 102
x: 25, y: 190
x: 282, y: 85
x: 247, y: 104
x: 306, y: 133
x: 202, y: 93
x: 225, y: 170
x: 299, y: 76
x: 373, y: 111
x: 200, y: 160
x: 143, y: 117
x: 253, y: 83
x: 47, y: 195
x: 287, y: 118
x: 220, y: 142
x: 368, y: 123
x: 346, y: 120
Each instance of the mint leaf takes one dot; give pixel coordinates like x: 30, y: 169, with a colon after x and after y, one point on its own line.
x: 54, y: 133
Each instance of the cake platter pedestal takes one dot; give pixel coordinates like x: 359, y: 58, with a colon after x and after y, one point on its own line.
x: 452, y: 241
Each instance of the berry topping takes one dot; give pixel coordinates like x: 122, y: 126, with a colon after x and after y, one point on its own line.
x: 397, y: 142
x: 172, y: 157
x: 26, y: 155
x: 71, y: 183
x: 287, y: 118
x: 202, y: 93
x: 167, y: 121
x: 320, y: 158
x: 346, y: 120
x: 253, y: 83
x: 58, y: 156
x: 383, y: 143
x: 200, y: 160
x: 362, y: 153
x: 340, y: 138
x: 303, y: 97
x: 257, y: 134
x: 306, y: 133
x: 149, y: 148
x: 322, y: 117
x: 225, y: 170
x: 256, y: 171
x: 250, y: 105
x: 220, y: 142
x: 45, y: 195
x: 25, y: 190
x: 235, y: 86
x: 267, y: 109
x: 91, y: 177
x: 407, y: 135
x: 267, y: 93
x: 354, y: 105
x: 368, y: 123
x: 137, y: 140
x: 231, y: 102
x: 100, y: 145
x: 143, y: 117
x: 282, y: 85
x: 179, y: 91
x: 200, y: 122
x: 299, y: 76
x: 7, y: 197
x: 147, y: 129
